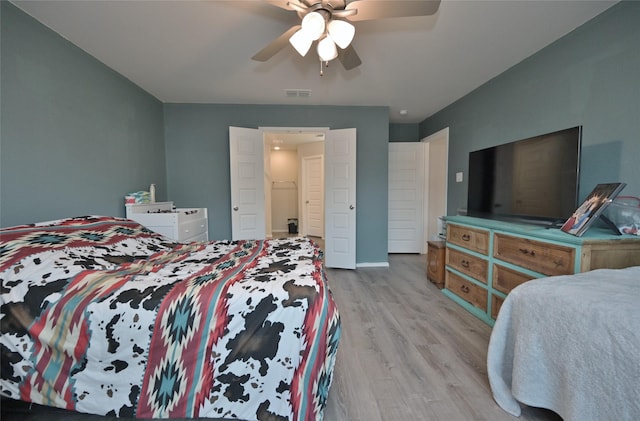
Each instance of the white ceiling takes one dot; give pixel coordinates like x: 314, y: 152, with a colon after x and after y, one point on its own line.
x: 200, y: 51
x: 291, y: 139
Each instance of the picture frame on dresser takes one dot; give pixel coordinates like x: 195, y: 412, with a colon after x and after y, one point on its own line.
x: 591, y: 209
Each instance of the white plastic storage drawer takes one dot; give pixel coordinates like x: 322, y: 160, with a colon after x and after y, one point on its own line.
x: 183, y: 224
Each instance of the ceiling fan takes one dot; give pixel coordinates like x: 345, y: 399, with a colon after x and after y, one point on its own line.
x: 329, y: 23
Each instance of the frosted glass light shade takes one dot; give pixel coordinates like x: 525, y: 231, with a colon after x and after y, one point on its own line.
x: 301, y: 42
x: 327, y: 49
x: 313, y: 24
x: 341, y: 32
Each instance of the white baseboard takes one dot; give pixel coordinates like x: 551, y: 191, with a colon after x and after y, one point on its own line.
x: 372, y: 265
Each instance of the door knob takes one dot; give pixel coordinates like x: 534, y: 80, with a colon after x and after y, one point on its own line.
x: 351, y: 207
x: 235, y: 208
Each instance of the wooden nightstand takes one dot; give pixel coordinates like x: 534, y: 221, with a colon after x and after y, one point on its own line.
x: 435, y: 262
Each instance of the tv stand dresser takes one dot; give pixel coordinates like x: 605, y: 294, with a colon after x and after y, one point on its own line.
x: 485, y: 259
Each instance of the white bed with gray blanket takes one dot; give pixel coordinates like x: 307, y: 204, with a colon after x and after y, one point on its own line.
x: 570, y: 344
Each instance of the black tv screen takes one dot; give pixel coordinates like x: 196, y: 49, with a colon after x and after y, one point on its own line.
x: 534, y: 179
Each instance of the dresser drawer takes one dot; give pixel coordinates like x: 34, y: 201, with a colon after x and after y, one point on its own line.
x: 496, y: 304
x: 202, y: 237
x: 473, y: 266
x: 547, y: 258
x: 469, y: 238
x: 505, y: 279
x: 468, y: 291
x: 190, y: 214
x: 191, y: 228
x: 168, y: 218
x: 185, y: 224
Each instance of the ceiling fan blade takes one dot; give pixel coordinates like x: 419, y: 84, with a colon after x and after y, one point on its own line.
x: 298, y: 5
x: 349, y: 58
x: 276, y: 45
x: 284, y: 4
x: 381, y: 9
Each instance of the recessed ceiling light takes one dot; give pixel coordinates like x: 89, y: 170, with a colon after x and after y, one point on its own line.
x: 404, y: 112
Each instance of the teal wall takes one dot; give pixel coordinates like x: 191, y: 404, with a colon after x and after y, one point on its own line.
x: 591, y: 77
x: 75, y: 136
x: 404, y: 132
x: 197, y: 144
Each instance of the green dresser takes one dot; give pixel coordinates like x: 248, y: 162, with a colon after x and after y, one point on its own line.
x: 485, y: 259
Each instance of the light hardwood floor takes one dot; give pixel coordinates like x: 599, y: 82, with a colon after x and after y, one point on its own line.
x: 407, y: 352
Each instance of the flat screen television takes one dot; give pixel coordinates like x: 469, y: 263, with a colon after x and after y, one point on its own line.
x: 530, y: 180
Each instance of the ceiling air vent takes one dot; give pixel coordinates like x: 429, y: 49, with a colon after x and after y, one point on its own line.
x: 297, y: 93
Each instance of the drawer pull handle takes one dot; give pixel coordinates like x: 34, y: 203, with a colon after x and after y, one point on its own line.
x: 531, y: 253
x: 466, y: 237
x: 465, y: 264
x: 464, y: 289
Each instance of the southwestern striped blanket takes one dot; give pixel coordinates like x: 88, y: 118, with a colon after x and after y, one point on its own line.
x: 100, y: 315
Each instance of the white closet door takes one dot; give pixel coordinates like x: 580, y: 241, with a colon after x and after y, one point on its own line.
x: 313, y: 178
x: 406, y: 192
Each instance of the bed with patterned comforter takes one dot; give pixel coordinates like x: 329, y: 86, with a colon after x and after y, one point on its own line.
x: 100, y: 315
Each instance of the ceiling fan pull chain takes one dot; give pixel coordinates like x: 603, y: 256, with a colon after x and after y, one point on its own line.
x: 326, y: 64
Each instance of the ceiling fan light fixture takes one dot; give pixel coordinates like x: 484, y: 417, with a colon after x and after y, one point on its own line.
x: 327, y: 50
x: 301, y: 42
x: 330, y: 22
x: 342, y: 32
x: 314, y: 25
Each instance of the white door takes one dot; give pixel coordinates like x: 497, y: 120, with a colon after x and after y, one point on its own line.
x: 268, y: 229
x: 247, y: 183
x: 406, y: 190
x: 313, y: 179
x: 340, y: 199
x: 436, y: 158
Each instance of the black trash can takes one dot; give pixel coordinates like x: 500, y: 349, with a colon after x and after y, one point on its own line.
x: 293, y: 225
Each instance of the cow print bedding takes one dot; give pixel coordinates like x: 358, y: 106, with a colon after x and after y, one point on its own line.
x: 100, y: 315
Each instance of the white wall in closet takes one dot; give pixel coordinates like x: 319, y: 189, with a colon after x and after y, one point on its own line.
x: 284, y: 188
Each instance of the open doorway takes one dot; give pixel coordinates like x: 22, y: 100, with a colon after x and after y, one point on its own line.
x: 250, y: 199
x: 294, y: 183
